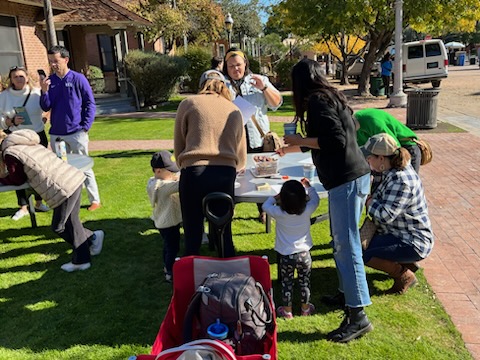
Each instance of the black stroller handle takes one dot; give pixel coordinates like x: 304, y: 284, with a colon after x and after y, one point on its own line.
x: 218, y: 221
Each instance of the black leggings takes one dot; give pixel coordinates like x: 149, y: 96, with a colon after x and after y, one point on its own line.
x: 195, y: 183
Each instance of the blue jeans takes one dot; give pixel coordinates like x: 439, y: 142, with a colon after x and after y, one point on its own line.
x: 389, y: 247
x: 345, y: 207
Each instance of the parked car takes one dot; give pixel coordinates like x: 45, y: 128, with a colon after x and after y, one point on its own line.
x: 425, y: 61
x: 356, y: 68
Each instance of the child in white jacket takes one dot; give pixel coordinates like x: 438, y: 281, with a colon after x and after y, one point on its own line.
x: 292, y: 209
x: 162, y: 190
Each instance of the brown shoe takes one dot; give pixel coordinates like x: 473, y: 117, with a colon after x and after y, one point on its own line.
x: 403, y: 282
x: 94, y: 206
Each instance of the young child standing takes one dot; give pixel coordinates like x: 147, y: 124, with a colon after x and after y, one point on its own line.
x: 292, y: 209
x: 162, y: 190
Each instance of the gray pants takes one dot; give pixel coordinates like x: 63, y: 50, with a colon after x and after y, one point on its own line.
x: 66, y: 223
x: 77, y: 143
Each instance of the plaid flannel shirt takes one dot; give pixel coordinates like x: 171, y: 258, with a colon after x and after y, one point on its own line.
x: 399, y: 208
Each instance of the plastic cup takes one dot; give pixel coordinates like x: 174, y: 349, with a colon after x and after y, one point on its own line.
x: 290, y: 128
x: 309, y: 171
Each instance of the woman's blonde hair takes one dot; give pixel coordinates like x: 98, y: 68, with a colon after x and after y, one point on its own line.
x: 216, y: 86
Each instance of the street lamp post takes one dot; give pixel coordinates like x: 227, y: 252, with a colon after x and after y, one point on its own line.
x: 229, y: 26
x: 398, y: 98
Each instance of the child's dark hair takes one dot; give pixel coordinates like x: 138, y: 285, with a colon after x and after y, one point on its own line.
x: 293, y: 198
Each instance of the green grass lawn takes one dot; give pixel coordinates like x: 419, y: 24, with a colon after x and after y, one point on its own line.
x: 114, y: 309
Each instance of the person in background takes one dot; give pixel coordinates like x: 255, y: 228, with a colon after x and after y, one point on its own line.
x: 292, y: 209
x: 399, y: 208
x: 162, y: 189
x: 21, y: 93
x: 216, y: 63
x: 329, y: 133
x: 387, y: 66
x: 69, y: 96
x: 210, y: 146
x: 60, y: 184
x: 258, y: 91
x: 375, y: 121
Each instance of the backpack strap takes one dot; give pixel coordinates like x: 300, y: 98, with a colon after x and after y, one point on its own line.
x: 190, y: 314
x: 255, y: 122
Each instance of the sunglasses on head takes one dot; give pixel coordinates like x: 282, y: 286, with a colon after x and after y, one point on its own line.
x: 17, y: 68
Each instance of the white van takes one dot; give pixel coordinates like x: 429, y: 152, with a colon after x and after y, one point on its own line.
x: 425, y: 61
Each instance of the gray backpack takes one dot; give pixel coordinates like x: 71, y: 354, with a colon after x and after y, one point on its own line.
x: 239, y: 302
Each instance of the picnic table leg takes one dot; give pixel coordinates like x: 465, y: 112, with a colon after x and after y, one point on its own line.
x: 31, y: 210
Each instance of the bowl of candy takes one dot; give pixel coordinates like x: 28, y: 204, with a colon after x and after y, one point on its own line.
x: 265, y: 165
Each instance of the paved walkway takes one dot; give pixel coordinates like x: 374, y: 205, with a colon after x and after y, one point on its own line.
x: 452, y: 183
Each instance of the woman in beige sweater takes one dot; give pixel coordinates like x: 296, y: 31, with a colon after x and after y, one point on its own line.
x: 210, y: 147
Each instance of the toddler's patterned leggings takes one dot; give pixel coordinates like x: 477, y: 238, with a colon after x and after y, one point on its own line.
x: 288, y: 263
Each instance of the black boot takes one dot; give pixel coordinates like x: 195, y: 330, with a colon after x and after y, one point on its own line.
x: 337, y: 300
x: 355, y: 324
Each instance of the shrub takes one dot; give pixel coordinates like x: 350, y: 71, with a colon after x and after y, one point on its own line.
x: 198, y: 62
x: 154, y: 75
x: 254, y: 65
x: 96, y: 80
x: 284, y: 71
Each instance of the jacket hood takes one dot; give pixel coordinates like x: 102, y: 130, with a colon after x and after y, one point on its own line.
x: 21, y: 137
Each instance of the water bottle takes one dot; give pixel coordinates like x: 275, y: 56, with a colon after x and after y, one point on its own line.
x: 61, y: 148
x: 217, y: 330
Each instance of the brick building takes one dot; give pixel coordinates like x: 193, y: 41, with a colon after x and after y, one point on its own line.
x: 96, y: 32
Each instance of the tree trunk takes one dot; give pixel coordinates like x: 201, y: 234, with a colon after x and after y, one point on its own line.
x: 378, y: 43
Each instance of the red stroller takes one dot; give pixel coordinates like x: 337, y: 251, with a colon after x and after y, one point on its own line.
x: 189, y: 272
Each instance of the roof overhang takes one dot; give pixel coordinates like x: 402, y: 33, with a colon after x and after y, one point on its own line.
x: 39, y: 3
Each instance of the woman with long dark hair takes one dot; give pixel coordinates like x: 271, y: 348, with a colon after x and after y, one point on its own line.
x: 328, y: 132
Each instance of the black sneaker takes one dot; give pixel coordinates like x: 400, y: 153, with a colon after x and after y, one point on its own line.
x: 353, y: 326
x: 337, y: 300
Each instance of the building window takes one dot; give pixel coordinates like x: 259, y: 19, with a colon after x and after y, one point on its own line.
x: 221, y: 50
x: 107, y: 55
x: 10, y: 48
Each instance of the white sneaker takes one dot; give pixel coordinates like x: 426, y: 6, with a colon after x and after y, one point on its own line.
x: 97, y: 242
x: 42, y: 208
x: 19, y: 214
x: 71, y: 267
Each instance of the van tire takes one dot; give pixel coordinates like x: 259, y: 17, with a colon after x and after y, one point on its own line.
x: 436, y: 83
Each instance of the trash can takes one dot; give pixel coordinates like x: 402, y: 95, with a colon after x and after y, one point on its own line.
x: 473, y: 61
x: 461, y: 56
x: 376, y: 86
x: 422, y: 108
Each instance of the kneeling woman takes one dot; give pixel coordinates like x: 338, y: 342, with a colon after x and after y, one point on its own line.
x: 399, y: 208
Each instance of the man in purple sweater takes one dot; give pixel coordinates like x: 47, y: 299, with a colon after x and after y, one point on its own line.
x: 70, y: 98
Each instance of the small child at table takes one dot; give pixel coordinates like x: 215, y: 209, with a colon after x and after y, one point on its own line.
x: 292, y: 209
x: 162, y: 189
x: 59, y: 183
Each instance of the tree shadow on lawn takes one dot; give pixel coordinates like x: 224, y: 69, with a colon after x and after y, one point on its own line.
x: 121, y: 299
x: 125, y: 154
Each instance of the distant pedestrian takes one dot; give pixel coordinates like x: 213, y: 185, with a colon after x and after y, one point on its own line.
x: 162, y: 189
x: 69, y: 96
x: 387, y: 67
x: 216, y: 63
x: 292, y: 209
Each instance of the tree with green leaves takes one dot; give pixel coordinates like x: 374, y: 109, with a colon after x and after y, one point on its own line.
x: 198, y: 20
x: 246, y: 19
x: 372, y: 20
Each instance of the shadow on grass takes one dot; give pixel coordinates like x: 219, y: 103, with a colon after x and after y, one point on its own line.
x: 124, y: 154
x: 47, y: 308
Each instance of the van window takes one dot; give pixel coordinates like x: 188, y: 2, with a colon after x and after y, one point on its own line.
x: 415, y: 52
x: 432, y: 49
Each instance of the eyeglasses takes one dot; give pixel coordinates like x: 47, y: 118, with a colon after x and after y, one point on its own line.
x: 17, y: 68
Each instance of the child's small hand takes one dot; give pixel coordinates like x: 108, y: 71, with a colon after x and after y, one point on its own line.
x: 305, y: 182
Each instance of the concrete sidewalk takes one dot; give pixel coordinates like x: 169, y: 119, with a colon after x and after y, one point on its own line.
x: 452, y: 184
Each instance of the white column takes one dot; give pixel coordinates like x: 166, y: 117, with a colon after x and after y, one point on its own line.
x: 398, y: 98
